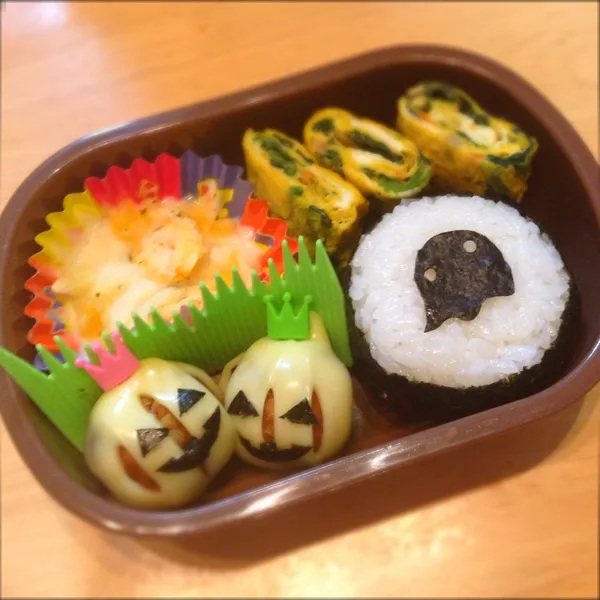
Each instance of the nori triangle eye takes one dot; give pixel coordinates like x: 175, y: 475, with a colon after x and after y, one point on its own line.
x: 188, y: 399
x: 456, y: 272
x: 302, y: 414
x: 150, y: 438
x: 241, y: 406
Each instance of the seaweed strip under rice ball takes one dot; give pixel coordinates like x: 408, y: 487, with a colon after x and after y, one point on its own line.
x: 471, y: 150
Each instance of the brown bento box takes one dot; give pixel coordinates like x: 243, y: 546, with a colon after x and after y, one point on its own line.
x: 563, y: 197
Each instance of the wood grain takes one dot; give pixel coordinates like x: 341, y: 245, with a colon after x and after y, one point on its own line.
x: 512, y: 517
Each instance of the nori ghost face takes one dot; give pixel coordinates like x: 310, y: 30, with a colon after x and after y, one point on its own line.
x: 456, y: 272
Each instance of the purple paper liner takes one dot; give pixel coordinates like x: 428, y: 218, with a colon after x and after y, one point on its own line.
x: 195, y: 168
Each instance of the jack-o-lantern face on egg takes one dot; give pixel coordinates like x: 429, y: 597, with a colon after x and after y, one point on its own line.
x: 290, y: 401
x: 158, y: 439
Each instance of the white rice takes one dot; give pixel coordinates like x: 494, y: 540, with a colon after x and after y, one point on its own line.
x: 509, y: 334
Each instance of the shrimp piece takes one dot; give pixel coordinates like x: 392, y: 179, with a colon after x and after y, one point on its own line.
x: 170, y: 252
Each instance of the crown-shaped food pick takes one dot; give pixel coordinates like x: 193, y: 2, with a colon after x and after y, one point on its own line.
x: 285, y: 324
x: 66, y: 395
x: 109, y: 368
x: 319, y: 280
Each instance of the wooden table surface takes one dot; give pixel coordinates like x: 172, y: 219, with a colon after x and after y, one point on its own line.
x: 510, y: 517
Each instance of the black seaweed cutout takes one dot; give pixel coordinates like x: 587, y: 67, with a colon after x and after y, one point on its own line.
x: 150, y: 438
x: 187, y: 399
x: 463, y: 280
x: 302, y: 414
x: 269, y: 452
x: 196, y: 451
x: 242, y: 407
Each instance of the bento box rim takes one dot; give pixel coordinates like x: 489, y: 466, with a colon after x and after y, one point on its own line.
x: 109, y: 515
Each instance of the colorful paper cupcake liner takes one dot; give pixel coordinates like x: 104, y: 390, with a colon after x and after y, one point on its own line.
x: 166, y: 177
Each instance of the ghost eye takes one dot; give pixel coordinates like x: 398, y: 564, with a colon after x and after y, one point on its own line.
x: 241, y: 406
x: 430, y: 274
x: 470, y: 246
x: 302, y: 414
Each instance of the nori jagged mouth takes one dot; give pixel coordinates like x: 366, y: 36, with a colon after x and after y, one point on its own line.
x: 268, y: 451
x: 456, y: 272
x: 197, y: 450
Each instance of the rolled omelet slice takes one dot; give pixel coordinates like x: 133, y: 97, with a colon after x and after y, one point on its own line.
x: 315, y: 202
x: 379, y: 161
x: 471, y: 150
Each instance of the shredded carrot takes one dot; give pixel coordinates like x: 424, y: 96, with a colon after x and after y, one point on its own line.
x: 307, y: 177
x: 129, y: 223
x: 198, y: 214
x: 91, y: 323
x: 223, y: 228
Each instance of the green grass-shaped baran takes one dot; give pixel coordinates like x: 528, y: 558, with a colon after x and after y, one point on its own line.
x: 234, y: 317
x: 66, y: 395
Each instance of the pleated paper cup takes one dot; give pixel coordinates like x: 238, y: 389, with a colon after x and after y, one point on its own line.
x: 166, y: 178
